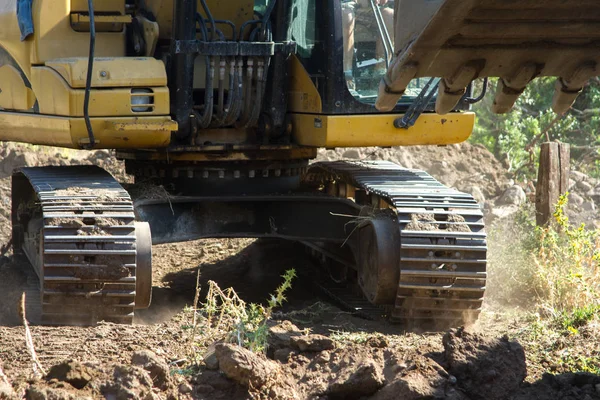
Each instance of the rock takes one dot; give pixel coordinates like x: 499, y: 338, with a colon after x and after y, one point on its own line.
x: 72, y: 372
x: 312, y: 342
x: 280, y: 335
x: 352, y: 154
x: 323, y: 357
x: 578, y: 176
x: 484, y: 368
x: 588, y: 206
x: 185, y: 388
x: 502, y: 212
x: 128, y: 383
x: 477, y: 194
x: 595, y: 194
x: 514, y: 195
x: 379, y: 342
x: 158, y: 369
x: 425, y: 379
x: 282, y: 355
x: 210, y: 359
x: 34, y: 392
x: 364, y: 381
x: 575, y: 199
x: 254, y: 371
x: 584, y: 186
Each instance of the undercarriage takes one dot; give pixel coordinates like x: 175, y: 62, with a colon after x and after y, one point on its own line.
x: 416, y: 248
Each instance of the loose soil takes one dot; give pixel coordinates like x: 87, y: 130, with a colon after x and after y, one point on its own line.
x: 316, y: 350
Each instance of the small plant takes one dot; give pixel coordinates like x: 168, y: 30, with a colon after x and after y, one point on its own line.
x: 224, y: 316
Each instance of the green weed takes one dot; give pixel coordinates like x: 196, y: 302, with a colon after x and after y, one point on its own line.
x: 224, y: 316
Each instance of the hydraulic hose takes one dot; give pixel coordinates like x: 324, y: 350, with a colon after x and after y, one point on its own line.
x: 88, y: 81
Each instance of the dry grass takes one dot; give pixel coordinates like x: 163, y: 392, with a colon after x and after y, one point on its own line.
x: 556, y: 268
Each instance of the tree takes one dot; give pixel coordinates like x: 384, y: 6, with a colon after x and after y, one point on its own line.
x: 514, y: 137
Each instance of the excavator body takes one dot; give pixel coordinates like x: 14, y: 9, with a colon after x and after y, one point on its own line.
x: 217, y: 109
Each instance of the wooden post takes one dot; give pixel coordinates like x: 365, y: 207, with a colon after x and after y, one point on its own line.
x: 553, y: 179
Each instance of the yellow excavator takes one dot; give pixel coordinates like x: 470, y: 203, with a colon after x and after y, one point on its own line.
x: 217, y: 109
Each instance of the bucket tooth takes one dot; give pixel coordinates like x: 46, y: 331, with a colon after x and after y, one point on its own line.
x: 568, y: 88
x: 393, y: 85
x: 509, y: 89
x: 451, y: 90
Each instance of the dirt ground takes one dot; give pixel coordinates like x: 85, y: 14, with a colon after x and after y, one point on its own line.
x: 316, y: 351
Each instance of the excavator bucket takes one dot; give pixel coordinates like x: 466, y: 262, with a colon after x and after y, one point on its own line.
x: 515, y: 40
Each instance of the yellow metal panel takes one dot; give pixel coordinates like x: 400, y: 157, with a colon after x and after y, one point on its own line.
x: 10, y: 37
x: 112, y: 72
x: 14, y: 95
x: 56, y: 97
x: 99, y: 5
x: 54, y: 38
x: 378, y: 130
x: 303, y: 96
x: 110, y: 133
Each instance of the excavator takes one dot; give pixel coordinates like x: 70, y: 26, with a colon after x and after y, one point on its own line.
x: 218, y: 108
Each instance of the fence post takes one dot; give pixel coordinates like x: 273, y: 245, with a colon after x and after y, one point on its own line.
x: 553, y: 179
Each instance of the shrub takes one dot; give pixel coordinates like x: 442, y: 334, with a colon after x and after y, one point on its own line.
x: 556, y: 267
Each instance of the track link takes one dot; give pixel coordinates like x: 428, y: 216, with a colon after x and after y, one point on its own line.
x: 77, y: 227
x: 442, y: 239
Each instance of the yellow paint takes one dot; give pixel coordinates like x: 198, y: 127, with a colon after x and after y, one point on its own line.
x: 378, y: 130
x: 54, y: 38
x: 10, y: 35
x: 303, y: 96
x: 14, y: 95
x: 112, y: 72
x: 56, y: 97
x: 110, y: 133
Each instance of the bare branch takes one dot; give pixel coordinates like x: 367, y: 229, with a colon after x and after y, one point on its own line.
x: 37, y: 366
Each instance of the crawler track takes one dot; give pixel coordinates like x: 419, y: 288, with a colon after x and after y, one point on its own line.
x: 77, y: 227
x: 442, y: 238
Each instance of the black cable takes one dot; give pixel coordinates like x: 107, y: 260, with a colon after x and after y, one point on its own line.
x: 266, y: 17
x: 471, y: 100
x: 88, y: 82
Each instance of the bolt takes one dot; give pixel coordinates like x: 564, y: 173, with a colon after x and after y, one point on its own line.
x: 431, y: 254
x: 433, y: 266
x: 454, y: 267
x: 457, y: 254
x: 103, y: 74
